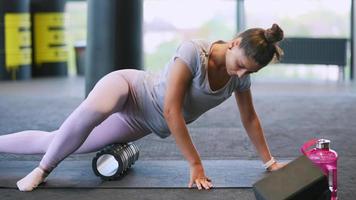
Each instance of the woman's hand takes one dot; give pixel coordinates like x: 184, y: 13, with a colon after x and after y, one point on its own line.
x: 197, y: 176
x: 276, y: 166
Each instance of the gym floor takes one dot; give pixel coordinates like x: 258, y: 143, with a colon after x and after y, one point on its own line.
x: 290, y: 112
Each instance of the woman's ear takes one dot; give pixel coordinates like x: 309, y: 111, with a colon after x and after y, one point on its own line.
x: 230, y: 44
x: 233, y: 43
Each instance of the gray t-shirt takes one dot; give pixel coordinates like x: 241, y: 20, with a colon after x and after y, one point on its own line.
x: 150, y: 89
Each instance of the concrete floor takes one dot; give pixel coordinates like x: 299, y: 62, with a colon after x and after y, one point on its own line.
x: 290, y: 112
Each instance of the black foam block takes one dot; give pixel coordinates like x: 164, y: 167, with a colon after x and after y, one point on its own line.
x: 299, y: 179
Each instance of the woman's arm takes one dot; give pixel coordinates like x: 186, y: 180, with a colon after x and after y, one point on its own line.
x: 253, y: 127
x: 252, y: 123
x: 178, y: 81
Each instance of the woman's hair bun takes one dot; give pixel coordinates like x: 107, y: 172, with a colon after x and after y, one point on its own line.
x: 274, y: 34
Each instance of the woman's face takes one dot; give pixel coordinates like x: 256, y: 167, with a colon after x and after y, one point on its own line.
x: 237, y: 63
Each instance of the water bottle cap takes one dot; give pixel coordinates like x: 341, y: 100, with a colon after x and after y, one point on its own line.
x: 323, y: 144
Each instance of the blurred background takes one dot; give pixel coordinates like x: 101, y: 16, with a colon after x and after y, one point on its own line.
x: 168, y: 22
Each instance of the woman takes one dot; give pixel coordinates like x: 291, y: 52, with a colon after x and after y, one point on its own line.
x: 128, y: 104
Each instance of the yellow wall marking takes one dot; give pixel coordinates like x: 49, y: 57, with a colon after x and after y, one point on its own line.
x: 50, y: 45
x: 17, y: 40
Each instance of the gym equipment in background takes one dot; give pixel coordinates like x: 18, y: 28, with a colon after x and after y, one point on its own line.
x: 300, y: 179
x: 325, y: 158
x: 113, y: 161
x: 15, y: 40
x: 50, y: 52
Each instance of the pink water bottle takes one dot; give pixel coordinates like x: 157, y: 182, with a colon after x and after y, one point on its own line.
x: 325, y: 158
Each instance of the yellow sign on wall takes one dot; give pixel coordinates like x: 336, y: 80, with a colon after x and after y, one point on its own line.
x: 17, y: 40
x: 50, y: 45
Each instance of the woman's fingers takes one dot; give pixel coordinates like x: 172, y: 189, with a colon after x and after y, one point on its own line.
x: 190, y: 184
x: 198, y: 184
x: 209, y: 183
x: 206, y: 183
x: 276, y: 166
x: 201, y: 183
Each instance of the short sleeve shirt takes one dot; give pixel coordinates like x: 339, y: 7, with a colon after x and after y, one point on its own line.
x: 199, y: 97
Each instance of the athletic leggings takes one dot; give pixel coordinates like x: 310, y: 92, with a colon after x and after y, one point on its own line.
x: 98, y: 121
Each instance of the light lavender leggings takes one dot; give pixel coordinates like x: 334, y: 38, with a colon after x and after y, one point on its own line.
x: 98, y: 121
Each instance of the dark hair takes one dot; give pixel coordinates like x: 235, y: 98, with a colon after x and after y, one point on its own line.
x: 262, y: 45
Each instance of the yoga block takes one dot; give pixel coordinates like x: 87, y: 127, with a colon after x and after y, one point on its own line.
x: 299, y: 179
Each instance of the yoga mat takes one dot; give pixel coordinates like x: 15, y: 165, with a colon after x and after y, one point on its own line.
x: 143, y: 174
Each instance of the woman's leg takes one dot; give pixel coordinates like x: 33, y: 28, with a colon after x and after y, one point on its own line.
x: 107, y: 97
x: 114, y: 129
x: 36, y: 142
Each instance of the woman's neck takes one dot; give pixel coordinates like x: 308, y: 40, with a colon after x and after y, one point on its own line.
x: 217, y: 56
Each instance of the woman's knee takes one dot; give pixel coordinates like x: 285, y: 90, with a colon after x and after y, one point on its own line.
x: 110, y: 93
x: 49, y: 138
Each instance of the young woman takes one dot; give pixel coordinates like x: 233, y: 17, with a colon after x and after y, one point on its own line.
x: 128, y: 104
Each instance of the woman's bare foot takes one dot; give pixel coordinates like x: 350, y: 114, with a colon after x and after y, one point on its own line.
x: 32, y: 180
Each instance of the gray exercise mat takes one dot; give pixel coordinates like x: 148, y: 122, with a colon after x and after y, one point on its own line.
x: 143, y: 174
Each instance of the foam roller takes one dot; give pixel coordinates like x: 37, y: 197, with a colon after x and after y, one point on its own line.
x: 113, y: 161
